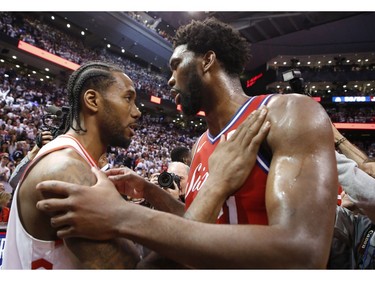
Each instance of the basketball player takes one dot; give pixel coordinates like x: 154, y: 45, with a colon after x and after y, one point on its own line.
x: 283, y: 214
x: 102, y: 113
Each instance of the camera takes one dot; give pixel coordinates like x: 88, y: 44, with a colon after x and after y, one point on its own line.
x: 166, y: 180
x: 54, y: 121
x: 295, y: 80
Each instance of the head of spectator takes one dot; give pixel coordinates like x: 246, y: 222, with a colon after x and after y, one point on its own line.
x: 181, y: 170
x: 5, y: 198
x: 4, y: 159
x: 181, y: 154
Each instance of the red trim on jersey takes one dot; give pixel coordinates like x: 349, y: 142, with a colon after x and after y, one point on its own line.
x: 88, y: 156
x: 41, y: 263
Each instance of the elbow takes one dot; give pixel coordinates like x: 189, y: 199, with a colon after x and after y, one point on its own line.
x: 316, y: 256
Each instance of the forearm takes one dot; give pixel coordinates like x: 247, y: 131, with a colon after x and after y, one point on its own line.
x: 218, y: 246
x: 118, y: 253
x: 357, y: 184
x: 351, y: 151
x: 208, y: 203
x: 205, y: 208
x: 162, y: 200
x: 362, y: 192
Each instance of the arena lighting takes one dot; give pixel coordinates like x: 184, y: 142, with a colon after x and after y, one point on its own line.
x: 318, y: 99
x: 355, y: 126
x: 47, y: 56
x: 155, y: 99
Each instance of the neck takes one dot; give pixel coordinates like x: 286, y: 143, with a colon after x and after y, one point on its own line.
x: 224, y: 102
x: 91, y: 143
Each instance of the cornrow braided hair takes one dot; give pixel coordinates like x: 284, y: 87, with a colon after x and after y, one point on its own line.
x: 231, y: 49
x: 92, y: 75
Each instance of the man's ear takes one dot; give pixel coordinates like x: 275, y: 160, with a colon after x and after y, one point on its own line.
x: 90, y: 100
x: 208, y: 60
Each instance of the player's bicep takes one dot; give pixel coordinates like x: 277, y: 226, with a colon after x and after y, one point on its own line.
x: 303, y: 172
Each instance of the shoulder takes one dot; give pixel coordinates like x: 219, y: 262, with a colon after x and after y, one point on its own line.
x: 65, y: 165
x: 290, y: 104
x: 298, y: 118
x: 296, y: 107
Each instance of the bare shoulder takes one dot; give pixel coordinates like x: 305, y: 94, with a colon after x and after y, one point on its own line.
x: 296, y: 117
x: 290, y: 104
x: 65, y: 165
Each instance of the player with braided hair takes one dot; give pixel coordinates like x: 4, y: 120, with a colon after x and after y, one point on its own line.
x: 102, y: 112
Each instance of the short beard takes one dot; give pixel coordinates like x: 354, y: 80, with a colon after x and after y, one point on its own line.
x: 191, y: 101
x: 112, y: 132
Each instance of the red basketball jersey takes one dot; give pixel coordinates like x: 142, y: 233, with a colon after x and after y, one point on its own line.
x: 247, y: 205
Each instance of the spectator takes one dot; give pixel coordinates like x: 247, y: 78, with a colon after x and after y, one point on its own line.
x: 181, y: 154
x: 4, y: 170
x: 5, y: 198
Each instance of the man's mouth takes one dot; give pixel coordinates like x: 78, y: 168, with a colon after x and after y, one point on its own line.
x: 132, y: 128
x: 176, y: 94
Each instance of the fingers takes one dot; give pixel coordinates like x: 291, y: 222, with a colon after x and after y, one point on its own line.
x: 66, y: 232
x: 56, y: 187
x: 53, y: 204
x: 115, y: 171
x: 64, y: 224
x: 256, y: 141
x: 251, y: 125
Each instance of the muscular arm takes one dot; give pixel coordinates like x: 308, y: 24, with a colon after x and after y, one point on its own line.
x: 116, y: 253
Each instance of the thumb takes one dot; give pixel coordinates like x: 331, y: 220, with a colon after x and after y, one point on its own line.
x: 100, y: 175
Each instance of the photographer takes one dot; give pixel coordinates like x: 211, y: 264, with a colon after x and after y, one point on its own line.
x: 43, y: 138
x: 173, y: 180
x: 53, y: 125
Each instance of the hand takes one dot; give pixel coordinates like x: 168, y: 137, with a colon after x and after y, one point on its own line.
x: 229, y: 165
x: 127, y: 182
x: 154, y: 178
x: 237, y: 155
x: 85, y: 211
